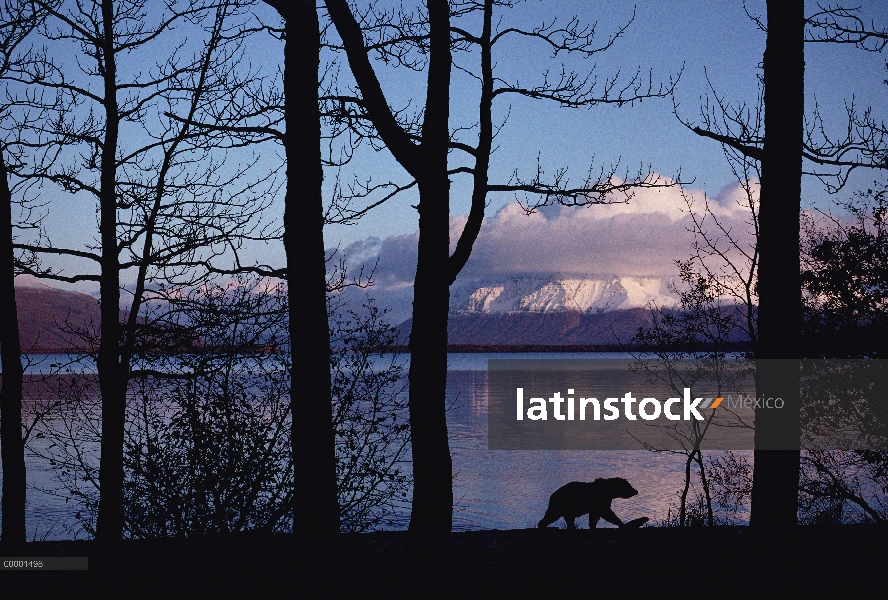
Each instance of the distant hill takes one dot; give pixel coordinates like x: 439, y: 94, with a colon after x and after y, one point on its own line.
x: 608, y: 330
x: 509, y: 293
x: 48, y: 316
x: 561, y: 328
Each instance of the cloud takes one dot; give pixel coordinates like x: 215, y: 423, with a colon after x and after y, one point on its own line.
x: 643, y: 238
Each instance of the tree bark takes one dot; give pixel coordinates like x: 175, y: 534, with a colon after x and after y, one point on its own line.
x: 776, y: 473
x: 432, y: 504
x: 313, y: 436
x: 480, y: 176
x: 432, y: 507
x: 13, y: 450
x: 112, y: 382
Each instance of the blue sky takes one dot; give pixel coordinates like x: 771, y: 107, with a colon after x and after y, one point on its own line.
x: 696, y: 38
x: 714, y: 38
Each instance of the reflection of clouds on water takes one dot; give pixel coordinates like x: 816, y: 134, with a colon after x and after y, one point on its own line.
x: 478, y: 392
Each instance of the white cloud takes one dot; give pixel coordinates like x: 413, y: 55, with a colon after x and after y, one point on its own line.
x: 643, y: 238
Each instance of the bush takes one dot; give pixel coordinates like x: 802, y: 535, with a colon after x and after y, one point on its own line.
x: 207, y: 444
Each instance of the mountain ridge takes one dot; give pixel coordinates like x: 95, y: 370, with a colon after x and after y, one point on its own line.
x: 49, y: 317
x: 555, y: 328
x: 556, y: 293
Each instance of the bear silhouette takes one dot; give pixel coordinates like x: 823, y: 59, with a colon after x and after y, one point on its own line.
x: 579, y: 498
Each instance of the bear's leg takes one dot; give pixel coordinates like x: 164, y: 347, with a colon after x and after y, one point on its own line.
x: 593, y: 520
x: 549, y: 518
x: 571, y: 521
x: 610, y: 517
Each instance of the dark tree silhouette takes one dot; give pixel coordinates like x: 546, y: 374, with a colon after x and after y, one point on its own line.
x: 426, y: 162
x: 13, y: 450
x: 780, y: 147
x: 17, y: 21
x: 313, y: 437
x: 845, y: 278
x: 422, y: 146
x: 775, y: 478
x: 253, y: 114
x: 164, y: 209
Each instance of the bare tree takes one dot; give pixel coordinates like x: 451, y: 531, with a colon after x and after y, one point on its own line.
x: 421, y: 145
x: 209, y: 451
x: 167, y: 209
x: 695, y: 344
x: 426, y: 162
x: 775, y: 483
x: 313, y: 437
x: 253, y: 114
x: 17, y: 22
x: 780, y: 147
x: 707, y: 339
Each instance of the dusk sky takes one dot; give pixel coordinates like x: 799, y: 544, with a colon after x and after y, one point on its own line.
x: 714, y: 38
x: 666, y: 38
x: 647, y: 237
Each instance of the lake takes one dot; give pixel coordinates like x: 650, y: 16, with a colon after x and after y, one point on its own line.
x: 492, y: 489
x: 508, y: 489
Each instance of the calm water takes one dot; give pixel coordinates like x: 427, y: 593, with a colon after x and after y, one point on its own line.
x: 505, y: 489
x: 492, y: 489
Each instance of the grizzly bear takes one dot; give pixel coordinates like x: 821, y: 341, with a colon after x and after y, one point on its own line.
x: 579, y: 498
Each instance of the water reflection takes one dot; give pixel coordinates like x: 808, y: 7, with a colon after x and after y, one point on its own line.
x: 492, y: 489
x: 507, y: 489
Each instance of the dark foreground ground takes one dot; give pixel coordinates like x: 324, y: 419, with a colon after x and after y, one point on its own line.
x: 809, y: 562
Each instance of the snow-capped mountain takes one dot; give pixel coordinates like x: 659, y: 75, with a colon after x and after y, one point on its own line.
x: 555, y: 293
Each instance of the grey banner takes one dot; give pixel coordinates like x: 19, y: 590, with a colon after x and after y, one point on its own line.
x: 676, y: 405
x: 44, y: 563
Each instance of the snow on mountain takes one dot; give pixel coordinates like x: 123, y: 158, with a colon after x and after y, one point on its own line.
x: 643, y: 291
x: 544, y: 294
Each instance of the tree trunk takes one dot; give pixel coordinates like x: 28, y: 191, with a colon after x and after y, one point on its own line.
x: 112, y: 382
x: 683, y: 503
x: 707, y: 494
x: 13, y: 450
x: 432, y: 506
x: 313, y: 436
x: 432, y: 509
x: 432, y: 467
x: 776, y: 473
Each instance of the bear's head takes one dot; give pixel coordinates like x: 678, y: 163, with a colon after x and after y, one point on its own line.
x: 619, y: 488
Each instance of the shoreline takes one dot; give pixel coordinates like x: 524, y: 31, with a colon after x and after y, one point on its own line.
x: 451, y: 349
